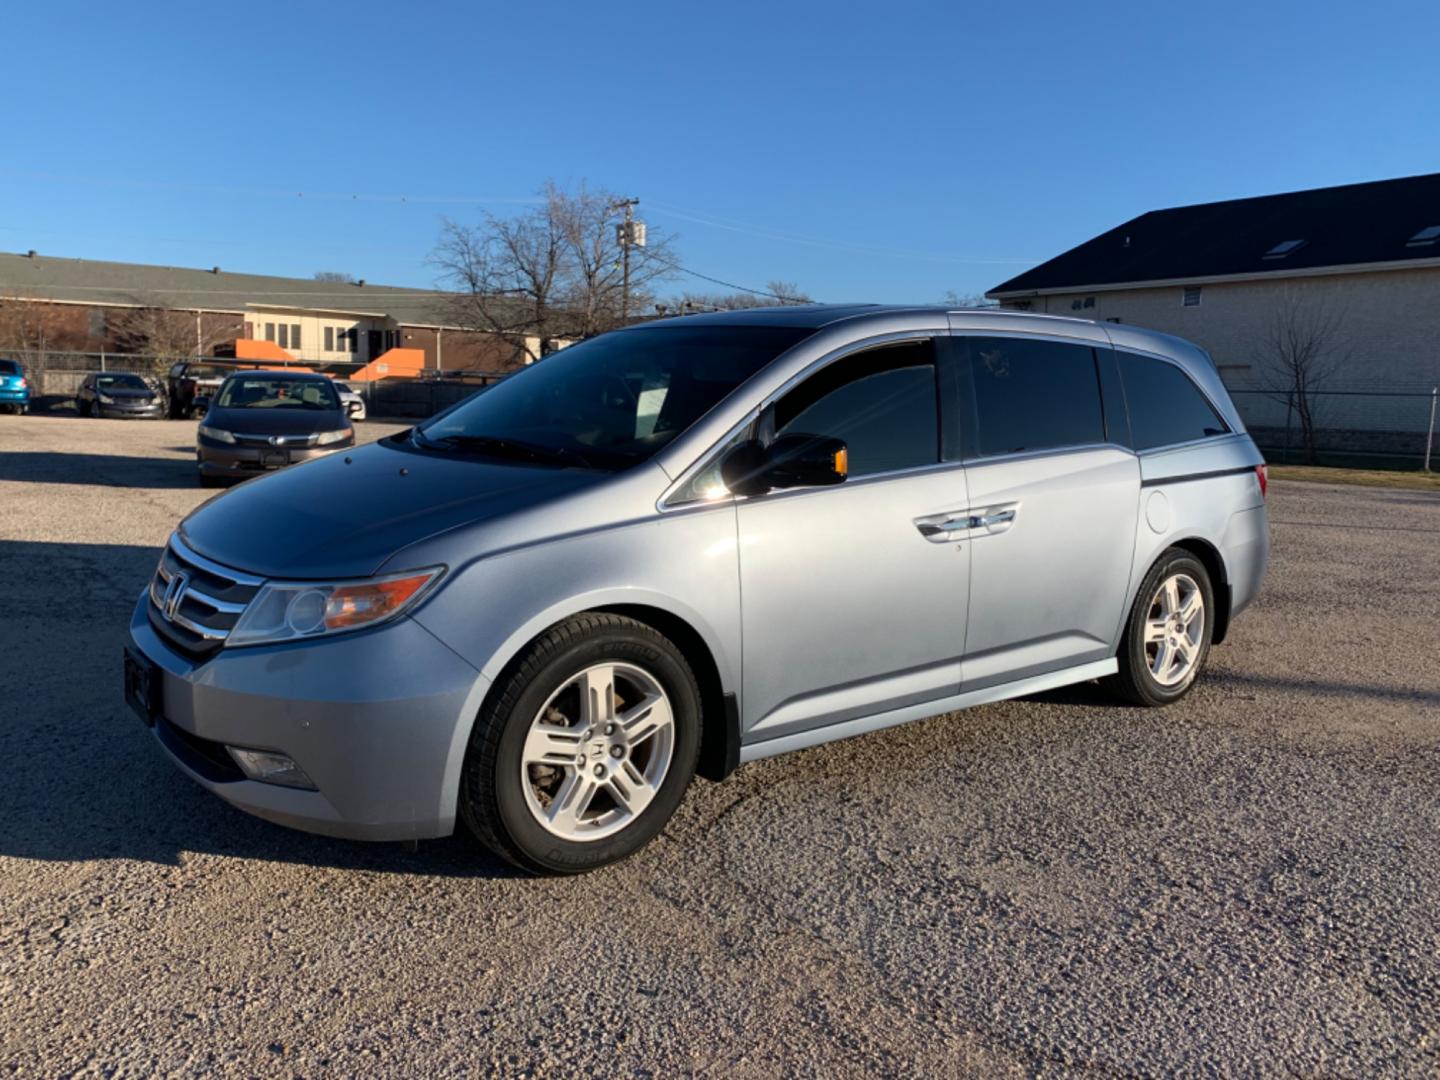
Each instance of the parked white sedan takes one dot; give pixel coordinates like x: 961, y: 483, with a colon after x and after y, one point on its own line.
x: 353, y: 402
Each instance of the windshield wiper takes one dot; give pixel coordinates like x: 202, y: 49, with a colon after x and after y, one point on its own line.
x: 511, y: 448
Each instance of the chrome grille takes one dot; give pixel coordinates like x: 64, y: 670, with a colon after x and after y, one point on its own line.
x: 194, y: 602
x: 279, y: 442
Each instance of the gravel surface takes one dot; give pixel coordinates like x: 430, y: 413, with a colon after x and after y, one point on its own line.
x: 1245, y: 883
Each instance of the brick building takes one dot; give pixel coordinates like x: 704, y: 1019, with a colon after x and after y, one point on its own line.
x: 83, y: 305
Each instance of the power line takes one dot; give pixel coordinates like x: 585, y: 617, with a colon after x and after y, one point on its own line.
x: 729, y: 284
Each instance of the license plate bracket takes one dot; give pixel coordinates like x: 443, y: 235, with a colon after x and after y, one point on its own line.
x: 142, y: 685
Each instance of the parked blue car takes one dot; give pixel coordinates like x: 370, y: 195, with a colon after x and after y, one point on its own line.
x: 14, y: 387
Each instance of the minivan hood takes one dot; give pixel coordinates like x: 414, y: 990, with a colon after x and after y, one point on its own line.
x: 345, y: 515
x: 276, y: 421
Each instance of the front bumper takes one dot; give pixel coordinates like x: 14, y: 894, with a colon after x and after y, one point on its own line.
x: 379, y: 720
x: 154, y: 411
x: 250, y: 460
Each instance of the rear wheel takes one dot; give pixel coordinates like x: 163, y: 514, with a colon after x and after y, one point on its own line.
x: 584, y: 749
x: 1167, y: 639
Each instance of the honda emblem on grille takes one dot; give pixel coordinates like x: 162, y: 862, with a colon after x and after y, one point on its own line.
x: 277, y: 440
x: 174, y: 593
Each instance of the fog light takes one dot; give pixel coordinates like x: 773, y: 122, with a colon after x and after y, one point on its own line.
x: 270, y: 767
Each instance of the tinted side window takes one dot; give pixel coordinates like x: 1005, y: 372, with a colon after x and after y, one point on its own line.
x: 1165, y: 406
x: 1034, y: 395
x: 882, y: 402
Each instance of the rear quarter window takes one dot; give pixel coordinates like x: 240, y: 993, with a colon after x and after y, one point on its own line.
x: 1165, y: 407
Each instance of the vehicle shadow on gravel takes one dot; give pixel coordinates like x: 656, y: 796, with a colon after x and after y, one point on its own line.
x: 110, y: 470
x: 88, y: 780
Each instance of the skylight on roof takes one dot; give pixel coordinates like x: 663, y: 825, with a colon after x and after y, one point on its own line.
x: 1425, y: 237
x: 1285, y: 247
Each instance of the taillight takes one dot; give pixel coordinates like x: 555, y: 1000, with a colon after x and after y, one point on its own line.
x: 1262, y: 473
x: 19, y: 384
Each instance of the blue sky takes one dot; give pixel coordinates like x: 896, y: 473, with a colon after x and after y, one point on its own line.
x: 866, y: 152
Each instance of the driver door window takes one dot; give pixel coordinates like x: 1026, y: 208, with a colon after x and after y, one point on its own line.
x: 882, y: 402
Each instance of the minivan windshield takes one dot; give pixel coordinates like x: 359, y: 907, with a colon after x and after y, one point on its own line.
x: 612, y: 401
x: 9, y: 367
x: 276, y: 392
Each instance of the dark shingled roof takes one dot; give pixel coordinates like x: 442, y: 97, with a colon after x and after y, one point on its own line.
x: 1338, y: 226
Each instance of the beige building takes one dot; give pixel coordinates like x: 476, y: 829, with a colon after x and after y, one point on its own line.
x: 1343, y: 282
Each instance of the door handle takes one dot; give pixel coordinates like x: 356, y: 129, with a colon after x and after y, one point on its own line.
x: 993, y: 517
x: 943, y: 528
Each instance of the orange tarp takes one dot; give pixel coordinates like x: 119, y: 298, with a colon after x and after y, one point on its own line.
x: 393, y: 363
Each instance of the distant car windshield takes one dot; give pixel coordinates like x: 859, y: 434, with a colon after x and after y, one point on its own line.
x: 276, y: 392
x: 120, y: 382
x: 612, y: 401
x: 9, y: 367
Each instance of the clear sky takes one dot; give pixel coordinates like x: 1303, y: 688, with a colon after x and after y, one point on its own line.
x: 880, y: 151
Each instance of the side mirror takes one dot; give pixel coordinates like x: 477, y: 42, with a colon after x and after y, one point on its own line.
x: 790, y: 461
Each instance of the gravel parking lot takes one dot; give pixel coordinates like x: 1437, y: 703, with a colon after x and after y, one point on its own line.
x: 1248, y: 882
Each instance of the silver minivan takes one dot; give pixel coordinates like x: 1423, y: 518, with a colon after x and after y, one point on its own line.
x: 690, y: 544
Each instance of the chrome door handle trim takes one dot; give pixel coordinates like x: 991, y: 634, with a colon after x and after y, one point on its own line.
x: 940, y: 531
x: 994, y: 517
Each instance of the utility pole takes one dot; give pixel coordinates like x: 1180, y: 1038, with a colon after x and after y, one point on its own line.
x: 629, y: 233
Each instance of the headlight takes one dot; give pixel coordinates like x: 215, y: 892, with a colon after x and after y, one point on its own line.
x: 106, y: 399
x: 327, y: 437
x: 217, y: 434
x: 284, y: 611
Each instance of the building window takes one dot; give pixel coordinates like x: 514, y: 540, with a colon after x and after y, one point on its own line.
x: 1285, y: 247
x: 269, y: 331
x: 329, y: 339
x: 284, y: 336
x: 295, y: 335
x: 1192, y: 296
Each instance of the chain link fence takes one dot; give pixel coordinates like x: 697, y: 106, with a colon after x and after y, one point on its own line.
x: 1355, y: 427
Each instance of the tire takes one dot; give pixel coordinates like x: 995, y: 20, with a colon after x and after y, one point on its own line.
x: 207, y: 481
x: 1137, y: 680
x: 503, y: 798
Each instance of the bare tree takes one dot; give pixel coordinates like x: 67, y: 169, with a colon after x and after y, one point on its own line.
x: 967, y: 300
x: 152, y: 329
x: 1300, y: 355
x: 549, y: 273
x: 33, y: 327
x: 777, y: 293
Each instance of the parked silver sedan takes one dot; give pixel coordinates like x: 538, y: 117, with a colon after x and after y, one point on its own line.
x: 690, y: 544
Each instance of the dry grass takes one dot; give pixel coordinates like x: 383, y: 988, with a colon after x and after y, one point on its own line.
x: 1414, y: 481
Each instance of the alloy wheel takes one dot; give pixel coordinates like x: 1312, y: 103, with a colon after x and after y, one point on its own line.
x: 1174, y: 630
x: 597, y: 751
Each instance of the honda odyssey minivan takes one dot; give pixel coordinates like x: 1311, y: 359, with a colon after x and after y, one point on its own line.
x: 689, y: 544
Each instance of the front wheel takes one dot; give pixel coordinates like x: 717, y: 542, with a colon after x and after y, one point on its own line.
x: 1167, y: 638
x: 585, y: 747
